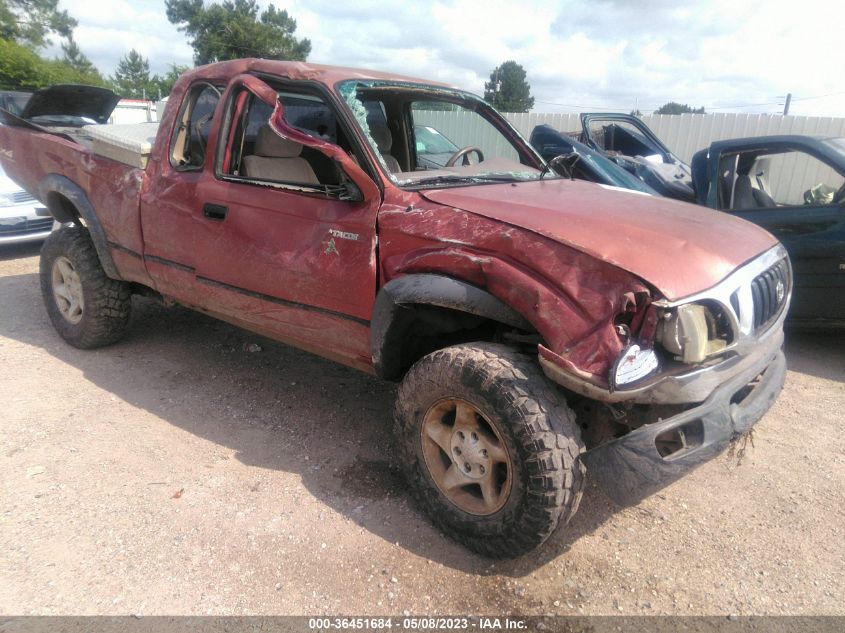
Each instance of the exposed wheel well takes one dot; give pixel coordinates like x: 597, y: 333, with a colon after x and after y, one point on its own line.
x: 419, y: 313
x: 68, y: 202
x: 62, y: 209
x: 433, y: 327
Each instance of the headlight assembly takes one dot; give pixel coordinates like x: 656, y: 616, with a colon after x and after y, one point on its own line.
x: 689, y: 332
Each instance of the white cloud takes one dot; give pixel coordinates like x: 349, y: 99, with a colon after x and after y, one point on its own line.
x: 608, y: 54
x: 107, y: 32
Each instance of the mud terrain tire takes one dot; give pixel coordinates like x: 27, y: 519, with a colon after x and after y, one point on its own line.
x: 518, y: 414
x: 87, y: 308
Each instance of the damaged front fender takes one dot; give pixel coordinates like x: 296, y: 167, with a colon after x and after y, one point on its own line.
x: 582, y: 308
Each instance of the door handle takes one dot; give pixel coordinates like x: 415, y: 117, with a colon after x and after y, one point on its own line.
x: 214, y: 211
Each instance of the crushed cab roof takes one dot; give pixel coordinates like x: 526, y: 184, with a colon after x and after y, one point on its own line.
x: 328, y: 75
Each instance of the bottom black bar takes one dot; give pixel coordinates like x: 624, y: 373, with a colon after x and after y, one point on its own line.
x: 297, y: 624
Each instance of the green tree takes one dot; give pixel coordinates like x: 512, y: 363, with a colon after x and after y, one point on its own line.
x: 131, y: 79
x: 164, y: 83
x: 234, y: 29
x: 30, y: 22
x: 508, y: 89
x: 77, y: 60
x: 21, y: 68
x: 678, y: 108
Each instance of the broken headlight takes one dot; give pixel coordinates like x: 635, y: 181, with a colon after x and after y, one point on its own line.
x: 692, y: 332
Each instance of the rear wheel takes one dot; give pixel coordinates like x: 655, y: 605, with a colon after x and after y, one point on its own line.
x: 490, y: 447
x: 87, y: 308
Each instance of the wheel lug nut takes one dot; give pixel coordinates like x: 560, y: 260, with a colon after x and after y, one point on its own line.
x: 457, y: 451
x: 481, y: 469
x: 467, y: 467
x: 474, y: 436
x: 461, y: 434
x: 484, y: 452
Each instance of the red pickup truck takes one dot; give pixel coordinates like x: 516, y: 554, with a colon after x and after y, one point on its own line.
x: 542, y: 328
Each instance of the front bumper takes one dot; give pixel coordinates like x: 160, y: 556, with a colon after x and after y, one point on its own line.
x: 25, y: 223
x: 632, y: 467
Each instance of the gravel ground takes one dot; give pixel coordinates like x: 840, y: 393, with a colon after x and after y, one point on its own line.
x: 178, y: 473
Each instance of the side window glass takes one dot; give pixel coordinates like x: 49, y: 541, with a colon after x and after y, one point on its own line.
x: 256, y: 153
x: 785, y: 179
x: 191, y: 139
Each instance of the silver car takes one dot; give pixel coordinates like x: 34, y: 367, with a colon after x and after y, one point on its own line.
x: 22, y: 217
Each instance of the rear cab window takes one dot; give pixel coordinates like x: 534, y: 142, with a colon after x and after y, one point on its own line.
x: 190, y: 138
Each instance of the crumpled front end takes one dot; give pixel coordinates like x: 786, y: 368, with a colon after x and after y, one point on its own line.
x: 636, y: 465
x: 699, y: 342
x: 721, y: 366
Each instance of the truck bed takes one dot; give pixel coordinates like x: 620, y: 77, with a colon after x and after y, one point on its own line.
x: 112, y: 187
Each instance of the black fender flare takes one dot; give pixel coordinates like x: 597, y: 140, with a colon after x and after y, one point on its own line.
x: 50, y: 191
x: 388, y: 328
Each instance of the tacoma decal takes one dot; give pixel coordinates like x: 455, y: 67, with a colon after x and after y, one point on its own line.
x: 343, y: 235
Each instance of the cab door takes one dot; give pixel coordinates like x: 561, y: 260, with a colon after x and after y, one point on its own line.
x: 288, y: 251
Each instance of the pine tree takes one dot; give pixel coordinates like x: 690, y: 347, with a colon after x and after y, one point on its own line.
x: 131, y: 79
x: 508, y: 89
x: 234, y: 29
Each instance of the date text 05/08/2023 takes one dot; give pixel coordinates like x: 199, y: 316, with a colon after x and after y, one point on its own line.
x: 416, y: 623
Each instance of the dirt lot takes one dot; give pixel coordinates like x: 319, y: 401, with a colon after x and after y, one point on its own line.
x: 178, y: 473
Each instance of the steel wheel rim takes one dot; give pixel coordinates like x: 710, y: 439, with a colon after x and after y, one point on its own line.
x: 466, y: 457
x: 67, y: 290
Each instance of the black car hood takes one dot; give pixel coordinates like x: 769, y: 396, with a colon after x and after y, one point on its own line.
x: 72, y: 100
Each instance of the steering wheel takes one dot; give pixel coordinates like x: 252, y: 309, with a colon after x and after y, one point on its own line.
x: 464, y: 153
x: 839, y: 196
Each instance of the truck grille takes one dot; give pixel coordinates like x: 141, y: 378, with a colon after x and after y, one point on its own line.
x: 24, y: 227
x: 769, y: 292
x: 20, y: 197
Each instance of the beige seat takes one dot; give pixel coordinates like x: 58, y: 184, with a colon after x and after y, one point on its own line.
x: 384, y: 140
x: 277, y: 159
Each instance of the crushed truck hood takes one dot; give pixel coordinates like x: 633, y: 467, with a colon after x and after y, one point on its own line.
x: 678, y: 248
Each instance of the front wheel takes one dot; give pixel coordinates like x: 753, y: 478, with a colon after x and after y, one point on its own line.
x: 87, y: 308
x: 490, y: 448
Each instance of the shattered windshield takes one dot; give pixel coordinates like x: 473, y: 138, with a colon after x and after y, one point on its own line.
x: 430, y: 136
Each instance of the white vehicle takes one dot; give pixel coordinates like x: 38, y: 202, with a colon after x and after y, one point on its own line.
x: 22, y: 217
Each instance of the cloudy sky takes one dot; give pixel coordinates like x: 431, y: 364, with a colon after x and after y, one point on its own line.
x: 725, y: 55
